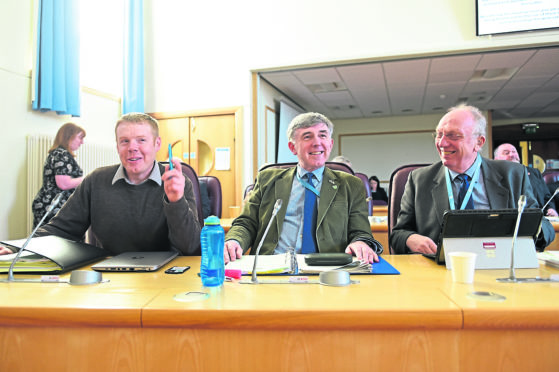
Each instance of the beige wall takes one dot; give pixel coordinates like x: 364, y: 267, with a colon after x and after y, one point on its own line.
x: 18, y: 120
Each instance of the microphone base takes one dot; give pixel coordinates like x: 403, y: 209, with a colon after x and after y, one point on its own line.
x: 508, y: 280
x: 528, y: 280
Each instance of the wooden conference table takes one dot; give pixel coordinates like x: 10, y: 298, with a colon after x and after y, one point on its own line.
x: 419, y: 320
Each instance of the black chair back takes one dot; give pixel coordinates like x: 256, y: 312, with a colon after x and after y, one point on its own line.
x: 189, y: 172
x: 396, y: 187
x: 214, y: 193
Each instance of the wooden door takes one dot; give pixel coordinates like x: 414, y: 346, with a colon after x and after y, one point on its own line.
x: 175, y: 132
x: 207, y: 143
x: 212, y: 148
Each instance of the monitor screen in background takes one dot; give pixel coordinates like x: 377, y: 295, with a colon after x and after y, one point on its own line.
x: 503, y: 16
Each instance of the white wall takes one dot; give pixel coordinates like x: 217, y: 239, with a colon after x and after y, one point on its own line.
x: 201, y: 53
x: 18, y: 120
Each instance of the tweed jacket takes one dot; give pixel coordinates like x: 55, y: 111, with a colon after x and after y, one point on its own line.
x: 341, y: 217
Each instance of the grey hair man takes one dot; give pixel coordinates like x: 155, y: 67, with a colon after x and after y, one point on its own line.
x: 338, y: 222
x: 487, y: 184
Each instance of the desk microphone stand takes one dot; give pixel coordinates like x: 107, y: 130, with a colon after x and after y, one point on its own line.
x: 11, y: 278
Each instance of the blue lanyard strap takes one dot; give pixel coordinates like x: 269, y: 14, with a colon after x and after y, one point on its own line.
x: 308, y: 186
x: 475, y: 177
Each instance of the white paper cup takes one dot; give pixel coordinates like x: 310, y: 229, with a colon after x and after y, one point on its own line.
x: 463, y: 266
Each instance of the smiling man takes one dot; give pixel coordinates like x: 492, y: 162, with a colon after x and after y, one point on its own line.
x: 138, y: 205
x: 463, y: 179
x: 322, y: 210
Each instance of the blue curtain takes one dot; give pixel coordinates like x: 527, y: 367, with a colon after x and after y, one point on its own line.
x: 57, y: 72
x: 133, y: 92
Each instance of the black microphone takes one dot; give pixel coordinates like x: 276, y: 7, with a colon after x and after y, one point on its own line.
x: 521, y: 205
x: 277, y: 207
x: 50, y: 208
x: 550, y: 199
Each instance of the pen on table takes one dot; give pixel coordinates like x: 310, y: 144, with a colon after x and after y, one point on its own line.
x: 170, y: 158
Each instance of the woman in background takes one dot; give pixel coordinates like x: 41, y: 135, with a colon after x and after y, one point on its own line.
x: 377, y: 192
x: 61, y: 171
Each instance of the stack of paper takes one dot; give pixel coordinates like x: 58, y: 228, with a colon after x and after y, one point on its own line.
x: 28, y: 261
x: 266, y: 264
x: 551, y: 258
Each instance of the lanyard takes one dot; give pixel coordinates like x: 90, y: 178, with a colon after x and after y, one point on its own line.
x: 475, y: 177
x: 307, y: 185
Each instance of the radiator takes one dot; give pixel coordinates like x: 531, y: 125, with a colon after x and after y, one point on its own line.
x: 89, y: 157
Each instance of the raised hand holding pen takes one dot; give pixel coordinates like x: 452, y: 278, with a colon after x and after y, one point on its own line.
x: 173, y: 180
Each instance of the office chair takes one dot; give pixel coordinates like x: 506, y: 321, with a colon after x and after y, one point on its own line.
x: 248, y: 189
x: 550, y: 176
x: 330, y: 164
x: 214, y: 192
x: 370, y: 201
x: 396, y: 187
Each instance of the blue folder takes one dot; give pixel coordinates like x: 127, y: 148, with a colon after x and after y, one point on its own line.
x: 382, y: 267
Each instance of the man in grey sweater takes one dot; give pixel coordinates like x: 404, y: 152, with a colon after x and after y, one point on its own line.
x: 138, y: 205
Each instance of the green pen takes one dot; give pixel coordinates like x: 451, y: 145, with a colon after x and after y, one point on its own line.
x: 170, y: 158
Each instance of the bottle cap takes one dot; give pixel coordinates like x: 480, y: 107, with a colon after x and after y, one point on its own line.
x: 211, y: 220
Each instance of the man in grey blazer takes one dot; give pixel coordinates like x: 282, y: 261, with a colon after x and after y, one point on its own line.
x: 459, y: 137
x: 341, y: 216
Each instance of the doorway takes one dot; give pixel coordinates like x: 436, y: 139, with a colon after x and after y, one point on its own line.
x: 209, y: 142
x: 537, y: 144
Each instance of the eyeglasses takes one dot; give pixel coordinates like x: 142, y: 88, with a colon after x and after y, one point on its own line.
x: 450, y: 136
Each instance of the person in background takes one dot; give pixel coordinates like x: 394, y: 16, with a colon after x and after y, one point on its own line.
x: 137, y: 205
x: 508, y: 152
x: 377, y: 192
x: 334, y: 201
x: 342, y: 159
x: 463, y: 174
x: 61, y: 172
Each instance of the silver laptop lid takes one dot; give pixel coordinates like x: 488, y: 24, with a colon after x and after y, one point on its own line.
x: 136, y: 261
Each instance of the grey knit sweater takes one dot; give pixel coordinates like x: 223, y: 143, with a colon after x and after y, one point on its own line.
x: 126, y: 217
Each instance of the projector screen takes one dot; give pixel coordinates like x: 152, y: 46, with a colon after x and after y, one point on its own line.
x: 287, y: 113
x: 503, y: 16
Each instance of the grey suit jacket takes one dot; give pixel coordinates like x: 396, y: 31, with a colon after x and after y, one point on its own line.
x: 425, y: 199
x: 341, y: 218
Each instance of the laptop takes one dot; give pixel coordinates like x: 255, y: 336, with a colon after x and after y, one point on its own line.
x: 488, y: 233
x: 136, y: 261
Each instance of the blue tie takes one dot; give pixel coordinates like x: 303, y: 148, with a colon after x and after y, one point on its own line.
x: 309, y: 219
x: 465, y: 184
